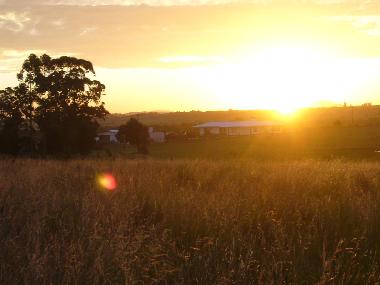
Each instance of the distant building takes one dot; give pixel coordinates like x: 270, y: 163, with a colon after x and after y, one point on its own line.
x: 157, y: 137
x: 239, y: 128
x: 108, y: 137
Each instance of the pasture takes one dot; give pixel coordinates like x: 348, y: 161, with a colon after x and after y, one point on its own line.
x: 352, y: 143
x: 189, y: 222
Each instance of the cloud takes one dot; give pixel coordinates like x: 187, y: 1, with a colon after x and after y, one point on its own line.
x: 144, y: 2
x: 13, y: 21
x: 11, y: 59
x: 87, y: 31
x: 187, y: 59
x: 165, y: 36
x: 176, y: 2
x: 19, y: 54
x: 128, y: 2
x: 59, y: 23
x: 126, y: 36
x: 369, y: 24
x: 125, y: 2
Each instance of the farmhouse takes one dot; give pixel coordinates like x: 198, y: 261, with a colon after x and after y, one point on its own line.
x: 155, y: 136
x: 110, y: 136
x: 238, y: 128
x: 107, y: 137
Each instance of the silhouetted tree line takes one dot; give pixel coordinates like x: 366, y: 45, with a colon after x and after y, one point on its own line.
x: 53, y: 109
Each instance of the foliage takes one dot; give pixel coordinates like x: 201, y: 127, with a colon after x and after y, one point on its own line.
x: 11, y: 118
x: 136, y: 134
x: 190, y: 222
x: 60, y: 96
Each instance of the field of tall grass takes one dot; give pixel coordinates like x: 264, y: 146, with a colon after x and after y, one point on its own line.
x: 189, y: 222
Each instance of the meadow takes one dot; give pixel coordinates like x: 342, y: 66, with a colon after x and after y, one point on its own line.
x: 326, y: 143
x: 190, y: 222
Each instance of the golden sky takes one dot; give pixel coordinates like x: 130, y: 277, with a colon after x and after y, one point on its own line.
x: 205, y: 55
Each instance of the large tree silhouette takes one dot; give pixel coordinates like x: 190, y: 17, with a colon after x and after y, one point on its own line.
x: 61, y: 97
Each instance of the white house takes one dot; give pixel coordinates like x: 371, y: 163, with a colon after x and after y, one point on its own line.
x: 157, y: 137
x: 108, y: 137
x: 239, y: 128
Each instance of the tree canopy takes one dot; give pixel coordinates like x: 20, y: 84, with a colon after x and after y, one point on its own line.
x: 59, y: 99
x: 136, y: 134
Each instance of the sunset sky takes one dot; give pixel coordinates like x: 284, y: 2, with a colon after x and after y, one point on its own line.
x: 205, y: 55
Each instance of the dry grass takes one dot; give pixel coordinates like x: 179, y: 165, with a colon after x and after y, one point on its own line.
x: 190, y: 222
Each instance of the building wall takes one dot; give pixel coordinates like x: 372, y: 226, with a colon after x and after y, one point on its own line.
x: 113, y: 138
x: 239, y: 131
x: 103, y: 139
x: 209, y: 131
x: 158, y: 137
x: 107, y: 137
x: 214, y: 131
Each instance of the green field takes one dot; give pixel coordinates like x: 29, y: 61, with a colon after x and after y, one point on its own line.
x: 190, y: 222
x: 354, y: 143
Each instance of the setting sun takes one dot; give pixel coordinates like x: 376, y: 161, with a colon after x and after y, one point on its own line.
x: 285, y: 77
x: 262, y: 55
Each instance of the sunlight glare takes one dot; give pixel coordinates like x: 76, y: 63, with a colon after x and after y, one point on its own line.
x: 107, y: 181
x: 285, y: 78
x: 287, y: 110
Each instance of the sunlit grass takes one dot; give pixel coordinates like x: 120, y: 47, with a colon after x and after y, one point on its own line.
x: 193, y: 222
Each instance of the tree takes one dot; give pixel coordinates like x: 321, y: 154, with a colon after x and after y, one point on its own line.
x: 11, y: 118
x: 136, y: 134
x: 62, y: 98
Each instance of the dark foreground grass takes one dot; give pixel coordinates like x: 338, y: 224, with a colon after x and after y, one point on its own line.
x: 190, y: 222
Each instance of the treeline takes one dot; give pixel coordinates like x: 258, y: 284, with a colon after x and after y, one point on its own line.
x: 54, y: 108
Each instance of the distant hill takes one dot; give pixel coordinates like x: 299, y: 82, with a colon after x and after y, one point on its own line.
x: 324, y: 116
x: 185, y: 118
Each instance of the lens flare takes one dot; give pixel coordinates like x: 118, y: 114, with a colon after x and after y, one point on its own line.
x: 107, y: 181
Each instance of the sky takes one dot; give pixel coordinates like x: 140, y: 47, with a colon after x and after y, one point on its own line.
x: 186, y: 55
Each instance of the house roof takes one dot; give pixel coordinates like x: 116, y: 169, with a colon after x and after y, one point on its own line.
x: 109, y: 133
x: 237, y: 124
